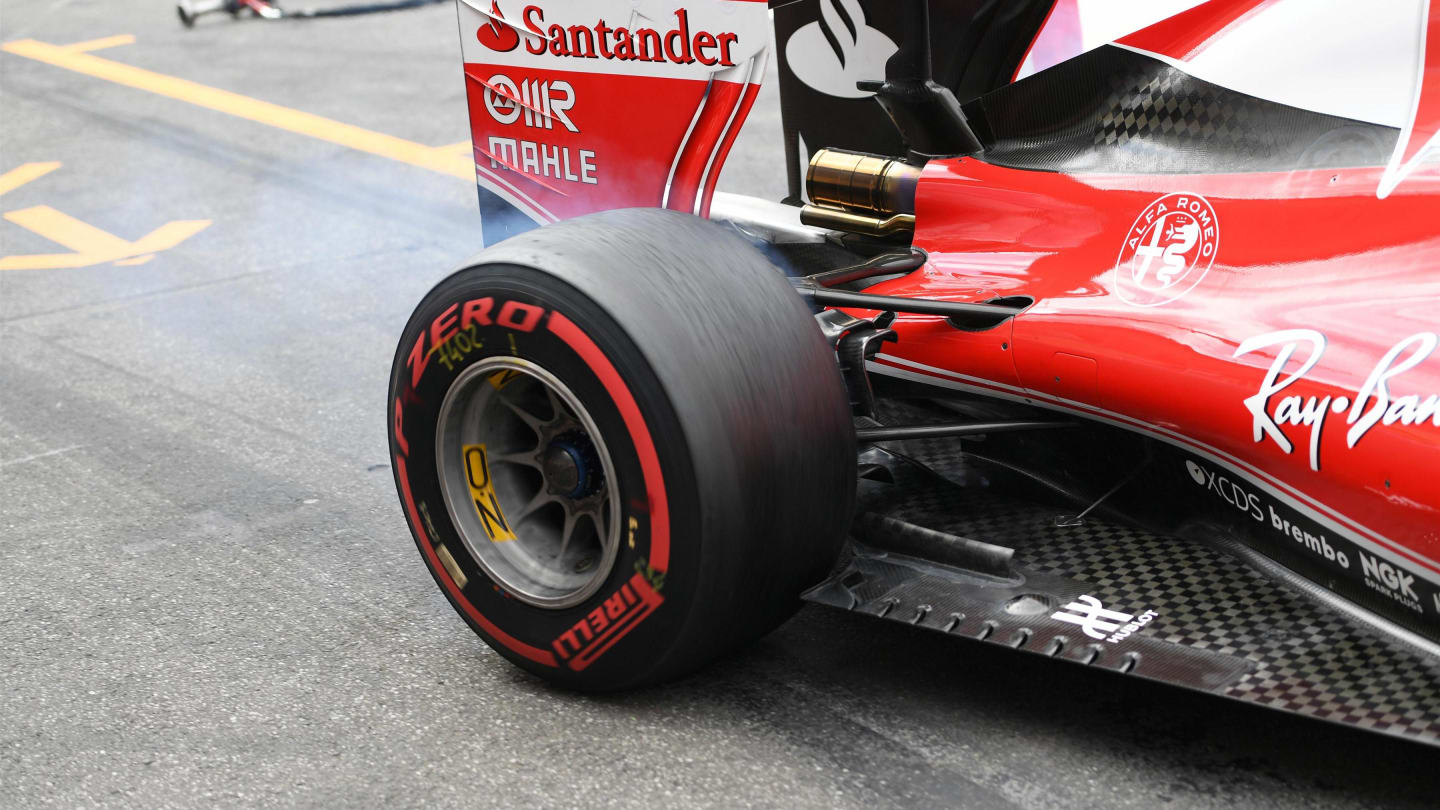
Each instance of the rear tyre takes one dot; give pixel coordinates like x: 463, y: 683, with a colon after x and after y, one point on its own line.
x: 622, y: 445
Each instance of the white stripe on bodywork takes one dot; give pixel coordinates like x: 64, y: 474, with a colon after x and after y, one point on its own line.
x: 752, y: 72
x: 684, y: 141
x: 1295, y: 499
x: 495, y: 184
x: 1399, y: 168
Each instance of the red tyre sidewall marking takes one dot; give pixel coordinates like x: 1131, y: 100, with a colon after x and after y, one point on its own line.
x: 583, y: 346
x: 515, y: 645
x: 659, y: 508
x: 622, y: 612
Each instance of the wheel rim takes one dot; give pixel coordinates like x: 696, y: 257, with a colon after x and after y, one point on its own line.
x: 528, y: 482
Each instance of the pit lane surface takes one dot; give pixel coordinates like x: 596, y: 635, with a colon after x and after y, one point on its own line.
x: 208, y: 595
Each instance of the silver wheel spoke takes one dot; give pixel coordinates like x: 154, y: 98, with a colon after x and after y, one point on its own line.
x: 542, y: 498
x: 526, y: 459
x: 527, y: 417
x: 557, y: 408
x: 571, y: 519
x: 555, y: 559
x: 595, y: 511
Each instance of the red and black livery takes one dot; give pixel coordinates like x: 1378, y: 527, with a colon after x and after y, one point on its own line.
x: 1107, y: 334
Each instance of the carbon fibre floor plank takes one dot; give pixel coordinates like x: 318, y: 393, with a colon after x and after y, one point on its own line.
x: 1206, y: 619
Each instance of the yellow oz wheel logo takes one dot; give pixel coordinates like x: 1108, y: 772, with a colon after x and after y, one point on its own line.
x: 482, y: 491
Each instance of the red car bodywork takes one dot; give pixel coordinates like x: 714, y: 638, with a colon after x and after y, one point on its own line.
x: 1302, y: 358
x: 1315, y: 251
x: 1290, y: 347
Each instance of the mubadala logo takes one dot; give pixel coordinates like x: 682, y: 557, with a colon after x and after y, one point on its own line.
x: 1099, y: 622
x: 833, y: 53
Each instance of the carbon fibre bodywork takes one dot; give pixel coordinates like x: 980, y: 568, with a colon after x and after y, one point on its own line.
x: 1193, y: 605
x: 1116, y: 111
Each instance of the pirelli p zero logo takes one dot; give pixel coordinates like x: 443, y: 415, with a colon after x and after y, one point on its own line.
x: 609, y: 622
x: 513, y: 315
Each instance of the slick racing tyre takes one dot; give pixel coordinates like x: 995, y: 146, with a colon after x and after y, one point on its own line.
x: 622, y: 446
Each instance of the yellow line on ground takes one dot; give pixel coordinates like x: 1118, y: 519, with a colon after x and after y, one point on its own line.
x: 103, y: 42
x: 18, y: 177
x: 435, y: 159
x: 90, y: 244
x: 168, y: 235
x: 80, y: 237
x: 51, y: 261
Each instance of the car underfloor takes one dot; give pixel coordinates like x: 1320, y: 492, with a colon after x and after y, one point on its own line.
x: 954, y: 539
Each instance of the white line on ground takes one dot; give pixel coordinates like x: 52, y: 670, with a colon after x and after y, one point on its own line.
x: 45, y: 454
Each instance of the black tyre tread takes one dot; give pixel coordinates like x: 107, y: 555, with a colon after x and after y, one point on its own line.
x: 754, y: 388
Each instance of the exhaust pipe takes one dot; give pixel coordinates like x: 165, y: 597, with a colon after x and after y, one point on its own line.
x: 860, y: 193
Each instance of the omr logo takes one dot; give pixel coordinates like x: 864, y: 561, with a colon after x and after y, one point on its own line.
x: 496, y: 34
x: 833, y: 53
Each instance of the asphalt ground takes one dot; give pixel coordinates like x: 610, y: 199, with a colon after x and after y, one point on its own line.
x: 208, y: 596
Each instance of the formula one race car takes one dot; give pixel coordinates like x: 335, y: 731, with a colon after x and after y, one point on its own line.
x: 1107, y: 331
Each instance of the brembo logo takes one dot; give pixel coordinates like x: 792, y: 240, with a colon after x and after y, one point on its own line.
x: 833, y: 53
x: 678, y: 45
x: 1280, y: 520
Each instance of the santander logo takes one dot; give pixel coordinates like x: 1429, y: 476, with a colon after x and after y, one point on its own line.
x: 682, y: 44
x: 833, y: 53
x: 496, y: 35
